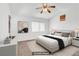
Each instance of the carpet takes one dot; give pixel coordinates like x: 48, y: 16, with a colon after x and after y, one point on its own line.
x: 36, y: 49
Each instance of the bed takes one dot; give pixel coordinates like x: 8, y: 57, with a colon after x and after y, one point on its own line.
x: 53, y: 43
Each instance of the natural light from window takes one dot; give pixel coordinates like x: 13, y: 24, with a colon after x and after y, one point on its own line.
x: 38, y: 27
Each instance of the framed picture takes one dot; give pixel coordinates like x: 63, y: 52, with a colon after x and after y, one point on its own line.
x: 63, y: 17
x: 22, y: 27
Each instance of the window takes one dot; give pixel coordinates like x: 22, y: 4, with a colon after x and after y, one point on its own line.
x: 38, y: 27
x: 35, y: 26
x: 42, y: 26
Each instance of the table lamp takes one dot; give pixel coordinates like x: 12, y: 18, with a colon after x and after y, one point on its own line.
x: 77, y: 31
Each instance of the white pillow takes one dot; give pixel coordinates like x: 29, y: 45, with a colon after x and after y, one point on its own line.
x: 58, y: 34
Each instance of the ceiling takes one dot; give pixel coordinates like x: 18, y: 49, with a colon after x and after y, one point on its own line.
x: 29, y: 9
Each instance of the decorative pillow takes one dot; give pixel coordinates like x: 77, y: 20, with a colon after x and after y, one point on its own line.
x: 65, y: 34
x: 58, y: 34
x: 53, y: 33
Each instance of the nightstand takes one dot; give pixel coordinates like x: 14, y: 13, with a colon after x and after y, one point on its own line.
x: 75, y: 42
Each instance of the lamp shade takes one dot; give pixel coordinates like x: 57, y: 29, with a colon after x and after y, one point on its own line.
x: 77, y: 30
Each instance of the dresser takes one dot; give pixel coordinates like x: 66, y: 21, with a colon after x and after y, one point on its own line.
x: 75, y: 42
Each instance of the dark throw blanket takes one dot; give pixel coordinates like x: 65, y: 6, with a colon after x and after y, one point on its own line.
x: 60, y: 41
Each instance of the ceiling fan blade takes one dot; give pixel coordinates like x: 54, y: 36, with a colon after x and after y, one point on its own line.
x: 52, y: 6
x: 48, y: 10
x: 39, y: 8
x: 41, y: 12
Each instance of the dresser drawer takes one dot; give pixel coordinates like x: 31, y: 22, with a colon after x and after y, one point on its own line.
x: 75, y: 42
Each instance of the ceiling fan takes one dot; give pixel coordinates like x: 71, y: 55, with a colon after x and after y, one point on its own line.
x: 46, y: 7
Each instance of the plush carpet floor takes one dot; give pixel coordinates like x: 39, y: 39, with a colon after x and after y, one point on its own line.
x: 38, y: 50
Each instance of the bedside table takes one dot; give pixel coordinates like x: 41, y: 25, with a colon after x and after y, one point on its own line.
x: 75, y: 42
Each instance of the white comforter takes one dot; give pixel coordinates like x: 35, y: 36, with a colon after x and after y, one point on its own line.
x: 52, y: 45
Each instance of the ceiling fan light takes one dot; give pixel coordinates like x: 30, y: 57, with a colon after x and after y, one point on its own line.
x: 45, y: 9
